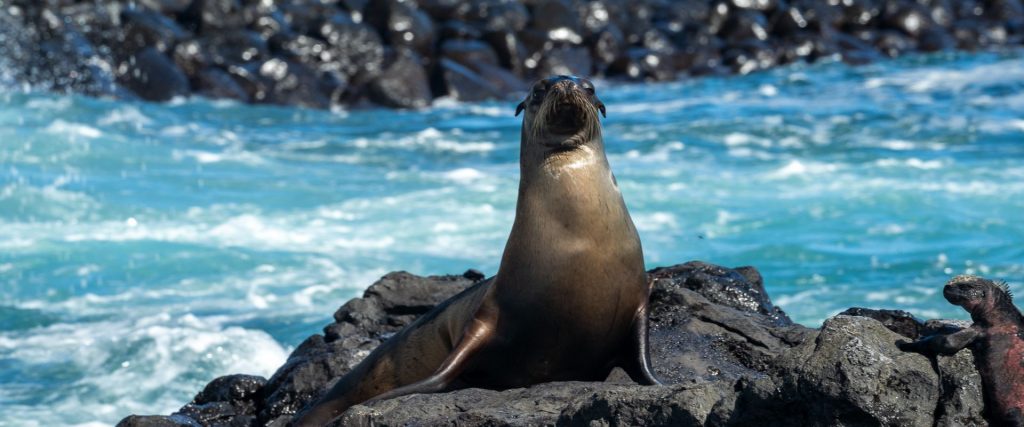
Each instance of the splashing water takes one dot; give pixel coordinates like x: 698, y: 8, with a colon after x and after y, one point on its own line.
x: 146, y: 249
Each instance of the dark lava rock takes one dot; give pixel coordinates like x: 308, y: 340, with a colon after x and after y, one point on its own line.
x: 728, y: 355
x: 231, y: 388
x: 80, y: 46
x: 854, y: 371
x: 564, y: 60
x: 192, y: 57
x: 469, y: 52
x: 898, y: 321
x: 403, y: 25
x: 292, y: 83
x: 143, y: 28
x: 644, y: 64
x: 512, y: 52
x: 158, y: 421
x: 308, y: 50
x: 248, y: 77
x: 235, y: 47
x: 469, y: 70
x: 459, y: 30
x: 893, y: 43
x: 759, y: 5
x: 216, y: 83
x: 403, y: 83
x: 562, y: 404
x: 558, y: 16
x: 269, y: 22
x: 457, y: 81
x: 212, y: 16
x: 606, y: 46
x: 356, y: 48
x: 494, y: 15
x: 153, y: 76
x: 168, y: 7
x: 741, y: 288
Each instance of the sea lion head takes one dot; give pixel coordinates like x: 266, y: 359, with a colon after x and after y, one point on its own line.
x: 561, y: 113
x: 978, y: 295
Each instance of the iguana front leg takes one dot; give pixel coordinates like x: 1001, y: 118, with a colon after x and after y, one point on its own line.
x: 944, y: 344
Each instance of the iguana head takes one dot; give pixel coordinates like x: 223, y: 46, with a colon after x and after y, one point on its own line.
x: 981, y: 297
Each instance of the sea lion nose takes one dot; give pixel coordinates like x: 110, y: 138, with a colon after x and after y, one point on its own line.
x: 565, y: 86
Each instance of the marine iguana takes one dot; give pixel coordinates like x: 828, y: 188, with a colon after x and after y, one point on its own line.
x: 996, y: 338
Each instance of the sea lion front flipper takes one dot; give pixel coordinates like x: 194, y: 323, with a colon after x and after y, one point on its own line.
x: 637, y: 362
x: 942, y: 344
x: 477, y: 334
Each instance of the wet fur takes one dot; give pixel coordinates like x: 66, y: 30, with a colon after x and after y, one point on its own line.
x: 570, y: 296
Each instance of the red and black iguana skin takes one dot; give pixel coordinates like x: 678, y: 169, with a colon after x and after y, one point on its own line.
x: 997, y: 340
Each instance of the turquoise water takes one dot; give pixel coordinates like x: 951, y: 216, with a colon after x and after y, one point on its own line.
x: 146, y: 249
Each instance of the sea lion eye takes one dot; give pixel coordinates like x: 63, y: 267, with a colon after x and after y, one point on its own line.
x: 538, y: 92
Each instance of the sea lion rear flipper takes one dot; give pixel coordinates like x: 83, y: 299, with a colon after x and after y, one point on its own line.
x: 637, y: 362
x: 477, y: 334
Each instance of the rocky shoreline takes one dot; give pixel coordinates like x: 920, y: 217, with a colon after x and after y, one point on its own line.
x: 728, y: 355
x: 406, y: 53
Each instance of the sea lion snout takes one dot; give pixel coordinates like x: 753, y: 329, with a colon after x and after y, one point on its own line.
x: 566, y: 85
x: 562, y: 89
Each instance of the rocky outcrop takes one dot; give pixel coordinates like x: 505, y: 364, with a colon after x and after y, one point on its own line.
x: 727, y: 355
x: 405, y: 53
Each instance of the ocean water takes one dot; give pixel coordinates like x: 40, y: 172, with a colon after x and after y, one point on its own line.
x: 146, y: 249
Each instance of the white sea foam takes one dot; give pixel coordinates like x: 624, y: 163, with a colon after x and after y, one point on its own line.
x: 231, y: 155
x: 956, y: 80
x: 798, y: 168
x: 897, y: 145
x: 655, y: 221
x: 912, y: 162
x: 464, y: 175
x: 158, y: 355
x: 61, y: 127
x: 738, y: 139
x: 49, y: 104
x: 126, y: 114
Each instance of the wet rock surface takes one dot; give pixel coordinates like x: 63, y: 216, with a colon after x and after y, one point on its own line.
x: 406, y: 53
x: 727, y: 355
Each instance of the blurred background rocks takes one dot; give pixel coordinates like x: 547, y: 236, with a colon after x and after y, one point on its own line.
x: 407, y: 53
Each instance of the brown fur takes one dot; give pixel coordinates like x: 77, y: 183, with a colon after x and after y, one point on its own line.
x: 569, y: 300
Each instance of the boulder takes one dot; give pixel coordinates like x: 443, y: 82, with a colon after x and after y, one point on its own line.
x: 153, y: 76
x: 402, y: 83
x: 727, y: 355
x: 209, y: 17
x: 292, y: 83
x: 216, y: 83
x: 356, y: 48
x: 403, y: 24
x: 143, y: 28
x: 853, y: 373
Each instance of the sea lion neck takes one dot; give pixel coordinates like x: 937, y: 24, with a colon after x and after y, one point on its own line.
x: 552, y: 153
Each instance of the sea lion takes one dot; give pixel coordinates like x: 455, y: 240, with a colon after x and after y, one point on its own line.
x: 569, y: 301
x: 997, y: 340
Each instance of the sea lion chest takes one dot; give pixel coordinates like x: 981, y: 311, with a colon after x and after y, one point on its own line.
x: 572, y: 275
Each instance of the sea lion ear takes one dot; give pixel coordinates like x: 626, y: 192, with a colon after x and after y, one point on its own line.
x: 520, y: 108
x: 600, y: 106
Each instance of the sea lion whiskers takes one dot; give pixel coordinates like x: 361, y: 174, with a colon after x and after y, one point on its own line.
x: 567, y: 100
